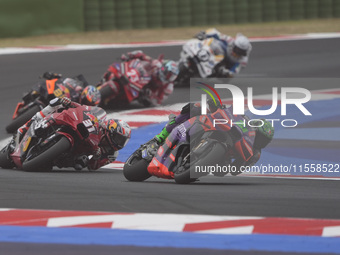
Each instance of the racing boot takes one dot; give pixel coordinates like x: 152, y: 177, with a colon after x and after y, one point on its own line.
x: 161, y: 137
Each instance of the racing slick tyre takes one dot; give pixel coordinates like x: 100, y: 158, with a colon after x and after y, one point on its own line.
x: 212, y: 157
x: 42, y: 161
x: 5, y: 161
x: 22, y: 119
x: 136, y: 169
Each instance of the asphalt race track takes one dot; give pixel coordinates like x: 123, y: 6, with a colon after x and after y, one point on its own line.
x: 107, y: 190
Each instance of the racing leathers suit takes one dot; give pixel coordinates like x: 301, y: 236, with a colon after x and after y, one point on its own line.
x: 191, y: 110
x: 231, y: 64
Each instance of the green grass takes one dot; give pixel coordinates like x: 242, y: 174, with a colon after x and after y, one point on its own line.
x: 148, y: 35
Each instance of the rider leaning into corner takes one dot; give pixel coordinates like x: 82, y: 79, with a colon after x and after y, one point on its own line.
x: 236, y: 52
x: 164, y: 72
x: 89, y: 95
x: 264, y: 134
x: 114, y: 135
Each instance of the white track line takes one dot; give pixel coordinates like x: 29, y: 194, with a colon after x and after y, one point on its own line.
x: 77, y: 47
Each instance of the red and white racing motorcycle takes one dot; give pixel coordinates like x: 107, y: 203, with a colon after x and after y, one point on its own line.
x: 128, y: 82
x: 56, y: 140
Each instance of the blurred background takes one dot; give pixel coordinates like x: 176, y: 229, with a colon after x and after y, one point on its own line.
x: 20, y: 18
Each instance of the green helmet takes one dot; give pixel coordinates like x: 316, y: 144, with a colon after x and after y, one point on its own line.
x: 264, y: 134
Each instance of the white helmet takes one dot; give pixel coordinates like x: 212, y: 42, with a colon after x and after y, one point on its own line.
x: 242, y: 46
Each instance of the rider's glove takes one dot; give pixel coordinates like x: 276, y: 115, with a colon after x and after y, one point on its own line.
x: 97, y: 153
x: 201, y: 35
x: 223, y: 72
x: 66, y: 102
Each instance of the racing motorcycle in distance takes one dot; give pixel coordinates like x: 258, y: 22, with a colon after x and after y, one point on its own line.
x: 56, y: 140
x: 192, y: 145
x: 198, y: 59
x: 39, y: 96
x: 128, y: 82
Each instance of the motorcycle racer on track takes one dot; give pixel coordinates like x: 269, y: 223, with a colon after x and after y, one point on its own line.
x: 52, y: 86
x: 75, y: 88
x: 114, y: 134
x: 263, y: 134
x: 236, y: 52
x: 163, y: 73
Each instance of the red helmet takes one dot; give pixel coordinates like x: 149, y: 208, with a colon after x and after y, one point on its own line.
x: 117, y: 133
x: 90, y: 96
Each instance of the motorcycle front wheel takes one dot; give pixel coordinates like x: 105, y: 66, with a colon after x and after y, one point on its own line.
x: 42, y: 160
x: 136, y: 168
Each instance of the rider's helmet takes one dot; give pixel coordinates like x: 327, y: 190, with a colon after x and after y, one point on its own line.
x: 264, y: 133
x: 117, y: 133
x: 90, y: 96
x: 168, y: 72
x: 214, y: 105
x: 241, y: 46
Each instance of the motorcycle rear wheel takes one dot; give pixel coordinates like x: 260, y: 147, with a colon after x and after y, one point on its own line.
x: 214, y: 156
x: 136, y: 169
x: 22, y: 119
x: 43, y: 160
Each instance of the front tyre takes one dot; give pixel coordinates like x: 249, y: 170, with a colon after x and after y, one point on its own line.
x: 212, y: 157
x: 136, y: 168
x: 44, y: 159
x: 22, y: 119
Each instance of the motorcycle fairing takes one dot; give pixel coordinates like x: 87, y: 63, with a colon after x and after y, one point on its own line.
x: 62, y: 91
x: 130, y: 77
x: 236, y: 124
x: 163, y: 163
x: 158, y: 169
x: 50, y: 84
x: 206, y: 55
x: 139, y: 74
x: 244, y: 149
x: 17, y: 108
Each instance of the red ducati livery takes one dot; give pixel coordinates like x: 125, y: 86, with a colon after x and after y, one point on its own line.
x: 56, y: 140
